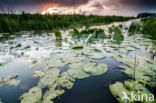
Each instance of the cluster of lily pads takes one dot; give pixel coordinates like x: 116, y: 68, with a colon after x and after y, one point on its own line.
x: 89, y: 34
x: 55, y: 80
x: 95, y: 44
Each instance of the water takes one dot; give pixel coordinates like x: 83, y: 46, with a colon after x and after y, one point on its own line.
x: 10, y: 94
x: 95, y: 89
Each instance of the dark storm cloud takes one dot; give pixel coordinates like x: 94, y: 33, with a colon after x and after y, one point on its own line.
x: 131, y: 3
x: 140, y: 2
x: 42, y: 2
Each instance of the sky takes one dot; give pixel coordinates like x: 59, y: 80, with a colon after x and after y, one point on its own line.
x: 96, y: 7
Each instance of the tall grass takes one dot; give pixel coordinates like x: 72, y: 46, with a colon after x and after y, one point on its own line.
x: 38, y: 22
x: 146, y: 27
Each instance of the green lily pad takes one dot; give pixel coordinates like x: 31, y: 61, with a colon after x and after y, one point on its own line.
x: 84, y: 70
x: 83, y: 36
x: 58, y: 35
x: 77, y: 47
x: 65, y: 80
x: 38, y: 74
x: 87, y: 28
x: 110, y: 30
x: 33, y: 96
x: 51, y: 94
x: 93, y: 53
x: 50, y: 77
x: 121, y: 91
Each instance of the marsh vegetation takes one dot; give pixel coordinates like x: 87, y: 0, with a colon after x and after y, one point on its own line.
x: 26, y: 22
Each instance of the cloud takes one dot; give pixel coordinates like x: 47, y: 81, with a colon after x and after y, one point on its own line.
x: 97, y: 6
x: 42, y: 2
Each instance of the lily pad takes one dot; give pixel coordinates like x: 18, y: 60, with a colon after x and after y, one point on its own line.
x: 51, y: 94
x: 38, y: 74
x: 50, y: 77
x: 93, y: 53
x: 58, y: 35
x: 65, y: 80
x: 84, y: 70
x: 33, y: 96
x: 123, y: 92
x: 77, y: 47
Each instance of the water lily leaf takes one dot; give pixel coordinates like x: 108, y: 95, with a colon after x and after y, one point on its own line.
x: 38, y: 74
x: 93, y: 53
x: 71, y: 57
x: 51, y: 94
x: 66, y: 81
x: 58, y: 35
x: 118, y: 34
x: 77, y: 47
x: 33, y: 96
x: 53, y: 61
x: 83, y: 36
x: 90, y: 37
x: 119, y: 90
x: 83, y: 70
x: 75, y: 33
x: 18, y: 46
x: 50, y: 77
x: 87, y: 28
x: 120, y: 26
x: 143, y: 74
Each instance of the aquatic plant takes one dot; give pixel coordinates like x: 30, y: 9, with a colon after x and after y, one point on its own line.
x: 123, y: 92
x: 77, y: 47
x: 18, y: 46
x: 34, y: 95
x: 120, y: 26
x: 58, y: 35
x: 146, y: 27
x: 84, y: 70
x: 26, y: 22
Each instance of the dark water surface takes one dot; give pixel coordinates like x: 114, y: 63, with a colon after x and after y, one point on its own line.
x: 95, y: 89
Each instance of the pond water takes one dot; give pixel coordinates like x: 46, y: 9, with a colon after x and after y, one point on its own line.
x: 24, y: 55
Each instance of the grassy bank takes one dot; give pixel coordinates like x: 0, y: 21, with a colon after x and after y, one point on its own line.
x: 24, y: 22
x: 146, y: 27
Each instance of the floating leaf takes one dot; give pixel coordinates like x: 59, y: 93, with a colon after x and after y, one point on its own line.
x: 66, y: 81
x: 51, y: 94
x: 38, y: 74
x: 33, y: 96
x: 120, y: 90
x: 77, y: 47
x: 75, y: 33
x: 50, y: 77
x: 83, y: 36
x: 83, y: 70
